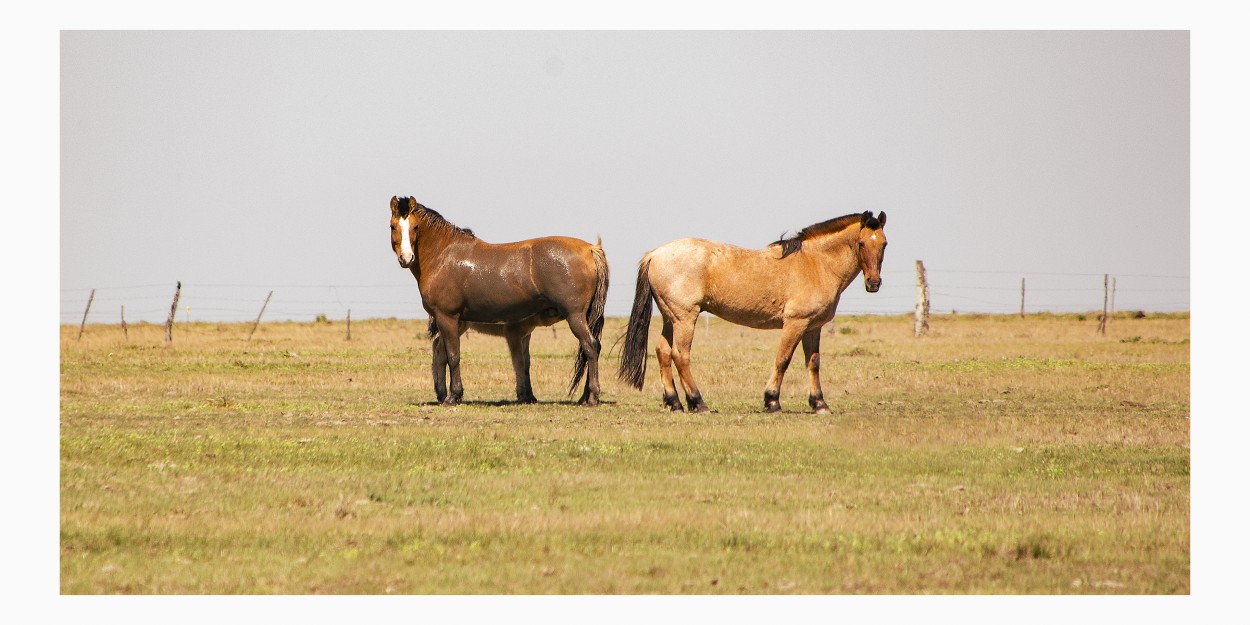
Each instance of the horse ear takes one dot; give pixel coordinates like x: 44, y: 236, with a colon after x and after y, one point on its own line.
x: 864, y: 218
x: 881, y: 218
x: 412, y: 204
x: 394, y: 206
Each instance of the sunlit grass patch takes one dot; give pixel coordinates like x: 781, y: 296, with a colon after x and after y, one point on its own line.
x: 998, y: 455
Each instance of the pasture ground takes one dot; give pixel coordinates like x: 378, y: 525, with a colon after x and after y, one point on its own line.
x: 997, y: 455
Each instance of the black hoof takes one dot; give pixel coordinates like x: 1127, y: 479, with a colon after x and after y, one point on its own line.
x: 772, y: 402
x: 696, y: 404
x: 589, y: 402
x: 673, y: 404
x: 818, y: 405
x: 527, y: 400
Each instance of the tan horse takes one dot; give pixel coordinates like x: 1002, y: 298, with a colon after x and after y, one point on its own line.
x: 793, y: 285
x: 504, y: 289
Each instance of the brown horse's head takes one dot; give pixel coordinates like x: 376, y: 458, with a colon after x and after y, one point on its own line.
x: 871, y: 248
x: 404, y: 230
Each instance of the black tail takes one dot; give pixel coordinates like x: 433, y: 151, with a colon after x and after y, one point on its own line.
x: 633, y: 368
x: 594, y: 312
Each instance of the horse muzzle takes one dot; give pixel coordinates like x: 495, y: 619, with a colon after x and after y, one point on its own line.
x: 405, y: 261
x: 872, y: 286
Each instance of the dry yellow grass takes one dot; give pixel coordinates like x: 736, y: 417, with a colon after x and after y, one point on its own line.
x: 997, y: 455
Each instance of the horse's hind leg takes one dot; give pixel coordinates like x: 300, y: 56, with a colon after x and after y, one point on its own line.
x: 811, y: 353
x: 590, y: 347
x: 518, y: 338
x: 664, y: 354
x: 791, y: 333
x: 438, y: 351
x: 683, y: 339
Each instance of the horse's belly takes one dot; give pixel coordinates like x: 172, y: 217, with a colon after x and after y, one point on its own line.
x: 757, y: 319
x: 504, y: 313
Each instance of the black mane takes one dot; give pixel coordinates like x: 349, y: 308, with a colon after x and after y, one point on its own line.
x: 790, y: 245
x: 432, y: 217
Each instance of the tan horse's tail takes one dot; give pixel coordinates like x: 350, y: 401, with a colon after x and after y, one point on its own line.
x: 594, y: 312
x: 633, y: 369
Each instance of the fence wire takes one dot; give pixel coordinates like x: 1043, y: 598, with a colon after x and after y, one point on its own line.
x: 989, y: 291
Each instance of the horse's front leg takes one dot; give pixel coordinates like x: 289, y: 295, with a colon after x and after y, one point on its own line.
x: 449, y: 333
x: 518, y: 337
x: 791, y: 332
x: 811, y: 354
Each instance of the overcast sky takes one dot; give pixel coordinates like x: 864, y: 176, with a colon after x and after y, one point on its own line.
x: 243, y: 162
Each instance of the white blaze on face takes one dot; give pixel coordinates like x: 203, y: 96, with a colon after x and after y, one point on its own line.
x: 405, y: 245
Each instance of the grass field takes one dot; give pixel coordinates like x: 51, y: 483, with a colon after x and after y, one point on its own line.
x: 997, y: 455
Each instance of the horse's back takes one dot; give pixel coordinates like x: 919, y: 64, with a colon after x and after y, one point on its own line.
x: 561, y: 247
x: 561, y: 270
x: 706, y: 261
x: 557, y: 260
x: 742, y: 285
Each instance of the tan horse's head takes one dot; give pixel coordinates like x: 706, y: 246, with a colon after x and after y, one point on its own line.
x: 871, y: 248
x: 404, y: 230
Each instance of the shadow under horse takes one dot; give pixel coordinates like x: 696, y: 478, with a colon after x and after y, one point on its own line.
x: 793, y: 285
x: 507, y: 289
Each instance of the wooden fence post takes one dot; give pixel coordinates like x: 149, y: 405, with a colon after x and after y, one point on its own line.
x: 262, y: 311
x: 1102, y: 323
x: 84, y: 314
x: 349, y: 324
x: 125, y: 329
x: 922, y: 300
x: 1022, y: 298
x: 173, y: 308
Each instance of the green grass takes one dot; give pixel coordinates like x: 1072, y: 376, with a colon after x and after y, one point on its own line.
x: 998, y: 455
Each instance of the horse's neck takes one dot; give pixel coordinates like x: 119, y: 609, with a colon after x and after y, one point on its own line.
x: 435, y: 248
x: 839, y: 252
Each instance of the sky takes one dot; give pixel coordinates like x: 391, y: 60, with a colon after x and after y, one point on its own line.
x: 243, y: 162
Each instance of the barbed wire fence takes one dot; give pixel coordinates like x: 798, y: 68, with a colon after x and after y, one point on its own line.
x: 951, y: 291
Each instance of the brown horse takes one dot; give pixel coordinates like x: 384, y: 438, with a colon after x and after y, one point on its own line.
x: 793, y: 284
x: 504, y: 289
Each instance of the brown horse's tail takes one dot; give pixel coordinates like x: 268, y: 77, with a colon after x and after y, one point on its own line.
x: 594, y: 312
x: 633, y: 368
